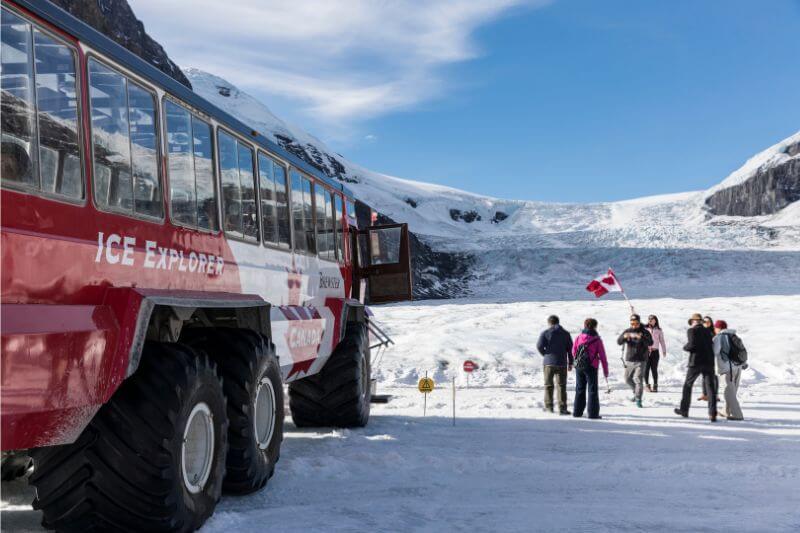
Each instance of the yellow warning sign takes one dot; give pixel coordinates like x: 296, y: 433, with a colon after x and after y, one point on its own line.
x: 425, y: 385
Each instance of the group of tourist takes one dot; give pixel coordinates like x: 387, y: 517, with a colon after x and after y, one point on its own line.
x: 714, y: 349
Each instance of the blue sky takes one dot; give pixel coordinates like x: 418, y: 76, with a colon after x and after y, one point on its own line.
x: 559, y: 101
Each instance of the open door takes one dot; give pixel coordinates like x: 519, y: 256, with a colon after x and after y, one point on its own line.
x: 385, y: 262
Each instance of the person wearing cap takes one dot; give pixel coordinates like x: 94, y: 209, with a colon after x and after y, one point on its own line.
x: 555, y: 345
x: 637, y: 341
x: 701, y: 362
x: 732, y: 371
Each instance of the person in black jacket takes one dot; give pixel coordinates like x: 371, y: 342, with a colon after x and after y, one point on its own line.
x: 555, y: 344
x: 637, y: 340
x: 700, y: 346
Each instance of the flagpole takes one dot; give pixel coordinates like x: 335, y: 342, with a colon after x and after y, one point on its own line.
x: 622, y: 290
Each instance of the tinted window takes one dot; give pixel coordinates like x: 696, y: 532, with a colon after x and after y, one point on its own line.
x: 248, y: 184
x: 238, y: 187
x: 308, y: 215
x: 337, y: 204
x: 57, y: 105
x: 322, y: 234
x: 39, y: 152
x: 191, y: 168
x: 330, y: 226
x: 183, y: 198
x: 229, y: 178
x: 204, y: 174
x: 269, y: 215
x: 18, y: 120
x: 113, y: 183
x: 142, y: 119
x: 282, y: 202
x: 297, y: 213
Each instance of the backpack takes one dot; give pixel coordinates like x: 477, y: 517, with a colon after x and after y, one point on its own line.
x: 582, y: 361
x: 737, y: 353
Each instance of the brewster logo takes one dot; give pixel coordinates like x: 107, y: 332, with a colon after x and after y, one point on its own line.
x: 328, y: 282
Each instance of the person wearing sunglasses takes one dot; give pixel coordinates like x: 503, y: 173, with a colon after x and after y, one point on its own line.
x: 637, y: 341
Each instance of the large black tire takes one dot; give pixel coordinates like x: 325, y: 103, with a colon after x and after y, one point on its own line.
x: 339, y: 395
x: 125, y: 471
x: 14, y: 465
x: 244, y: 359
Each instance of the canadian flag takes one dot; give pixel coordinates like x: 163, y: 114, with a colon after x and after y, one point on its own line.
x: 604, y: 284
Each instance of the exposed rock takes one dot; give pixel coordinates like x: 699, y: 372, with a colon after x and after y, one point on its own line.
x: 498, y: 217
x: 411, y: 202
x: 466, y: 216
x: 769, y: 190
x: 116, y: 20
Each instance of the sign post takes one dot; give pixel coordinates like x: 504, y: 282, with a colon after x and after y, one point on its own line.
x: 454, y: 400
x: 425, y: 386
x: 469, y: 368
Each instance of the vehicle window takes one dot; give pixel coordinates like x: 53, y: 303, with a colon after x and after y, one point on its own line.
x: 110, y: 137
x: 40, y: 139
x: 330, y: 226
x: 238, y: 187
x: 57, y: 105
x: 282, y: 203
x: 322, y: 233
x: 266, y: 181
x: 204, y: 175
x: 183, y: 198
x: 231, y: 191
x: 191, y: 168
x: 337, y: 205
x: 300, y: 243
x: 248, y: 184
x: 308, y: 216
x: 142, y: 118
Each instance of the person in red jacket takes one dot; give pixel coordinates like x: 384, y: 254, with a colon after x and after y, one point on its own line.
x: 586, y: 379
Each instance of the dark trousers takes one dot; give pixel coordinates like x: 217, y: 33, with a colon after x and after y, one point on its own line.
x: 586, y: 384
x: 709, y: 384
x: 559, y: 375
x: 651, y: 365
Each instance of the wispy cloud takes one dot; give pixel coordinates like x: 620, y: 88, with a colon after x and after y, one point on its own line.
x: 340, y: 60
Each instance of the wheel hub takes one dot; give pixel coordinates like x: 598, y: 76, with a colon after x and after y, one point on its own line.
x: 264, y: 413
x: 197, y: 450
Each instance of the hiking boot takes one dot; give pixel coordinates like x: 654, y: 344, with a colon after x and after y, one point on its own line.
x: 677, y: 411
x: 655, y: 388
x: 598, y: 417
x: 703, y: 398
x: 736, y: 419
x: 547, y: 410
x: 638, y: 403
x: 649, y: 388
x: 564, y: 412
x: 633, y: 399
x: 713, y: 418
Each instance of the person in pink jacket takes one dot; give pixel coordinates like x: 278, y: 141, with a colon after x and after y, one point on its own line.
x: 656, y: 350
x: 586, y: 379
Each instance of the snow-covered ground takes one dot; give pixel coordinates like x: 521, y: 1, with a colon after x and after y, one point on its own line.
x: 506, y: 465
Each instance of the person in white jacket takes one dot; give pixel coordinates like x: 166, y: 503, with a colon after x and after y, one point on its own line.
x: 731, y: 370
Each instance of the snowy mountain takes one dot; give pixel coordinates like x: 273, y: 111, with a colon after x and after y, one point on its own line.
x: 469, y: 242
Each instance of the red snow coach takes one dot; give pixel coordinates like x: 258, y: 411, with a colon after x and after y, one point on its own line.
x: 165, y: 270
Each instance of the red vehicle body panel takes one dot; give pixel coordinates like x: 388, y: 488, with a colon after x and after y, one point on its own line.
x: 71, y: 305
